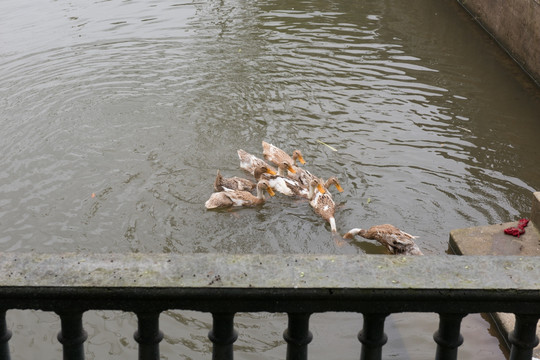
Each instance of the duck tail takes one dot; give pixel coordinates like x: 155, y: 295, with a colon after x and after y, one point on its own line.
x: 217, y: 182
x: 409, y: 235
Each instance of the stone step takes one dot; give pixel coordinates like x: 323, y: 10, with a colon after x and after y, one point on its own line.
x: 491, y: 240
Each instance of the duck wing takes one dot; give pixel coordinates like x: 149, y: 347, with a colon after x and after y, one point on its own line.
x: 232, y: 198
x: 325, y: 207
x: 286, y: 186
x: 303, y: 176
x: 396, y: 240
x: 243, y: 198
x: 323, y: 204
x: 218, y: 200
x: 275, y: 155
x: 233, y: 183
x: 250, y: 162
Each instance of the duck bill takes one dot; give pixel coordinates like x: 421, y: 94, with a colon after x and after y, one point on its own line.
x: 339, y: 188
x: 291, y: 170
x: 271, y: 172
x: 301, y: 159
x: 321, y: 189
x: 270, y: 191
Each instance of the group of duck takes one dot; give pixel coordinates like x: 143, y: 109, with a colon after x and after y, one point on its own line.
x: 286, y: 177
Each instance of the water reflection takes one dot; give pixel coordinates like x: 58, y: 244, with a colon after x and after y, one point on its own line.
x: 141, y: 102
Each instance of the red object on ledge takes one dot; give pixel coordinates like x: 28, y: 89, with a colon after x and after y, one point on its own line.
x: 519, y: 230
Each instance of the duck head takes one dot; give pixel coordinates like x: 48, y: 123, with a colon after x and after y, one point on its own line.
x: 333, y: 181
x: 297, y: 155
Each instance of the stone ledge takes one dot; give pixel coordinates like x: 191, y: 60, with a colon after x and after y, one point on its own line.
x: 535, y: 211
x: 491, y: 240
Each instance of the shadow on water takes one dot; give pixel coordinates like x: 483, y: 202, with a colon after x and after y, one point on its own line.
x: 140, y: 103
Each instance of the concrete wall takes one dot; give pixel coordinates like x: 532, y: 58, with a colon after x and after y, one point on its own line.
x: 535, y: 210
x: 515, y: 24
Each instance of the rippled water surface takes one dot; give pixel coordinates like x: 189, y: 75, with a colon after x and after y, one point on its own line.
x: 115, y: 116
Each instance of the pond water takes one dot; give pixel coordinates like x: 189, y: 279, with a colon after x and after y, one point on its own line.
x: 116, y: 115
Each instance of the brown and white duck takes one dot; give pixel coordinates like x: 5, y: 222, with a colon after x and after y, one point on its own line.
x: 283, y: 184
x: 230, y: 198
x: 276, y: 156
x: 250, y: 162
x: 396, y: 241
x: 303, y: 176
x: 322, y: 202
x: 237, y: 183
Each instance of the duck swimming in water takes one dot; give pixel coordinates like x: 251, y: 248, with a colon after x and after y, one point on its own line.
x: 396, y: 241
x: 283, y: 184
x: 238, y: 183
x: 303, y: 176
x: 322, y: 202
x: 276, y: 156
x: 250, y: 162
x: 229, y: 198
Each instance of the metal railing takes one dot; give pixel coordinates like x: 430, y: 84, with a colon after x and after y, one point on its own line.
x: 299, y: 285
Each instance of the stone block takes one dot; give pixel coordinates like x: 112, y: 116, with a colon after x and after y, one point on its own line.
x: 491, y: 240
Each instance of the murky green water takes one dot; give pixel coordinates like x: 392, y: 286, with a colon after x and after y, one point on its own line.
x: 140, y: 102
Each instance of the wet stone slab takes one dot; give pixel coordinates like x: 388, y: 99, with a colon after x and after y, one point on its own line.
x: 491, y: 240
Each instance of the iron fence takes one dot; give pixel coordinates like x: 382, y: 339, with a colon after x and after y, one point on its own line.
x: 298, y: 285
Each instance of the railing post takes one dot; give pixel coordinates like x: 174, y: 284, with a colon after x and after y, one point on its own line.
x: 72, y: 335
x: 222, y: 336
x: 523, y: 338
x: 148, y: 335
x: 448, y: 337
x: 372, y: 336
x: 298, y: 336
x: 5, y: 335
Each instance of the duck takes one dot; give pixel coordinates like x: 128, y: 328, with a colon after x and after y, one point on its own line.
x: 285, y: 185
x: 396, y: 241
x: 303, y: 176
x: 237, y: 183
x: 322, y: 202
x: 237, y: 198
x: 276, y: 156
x: 250, y: 162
